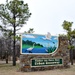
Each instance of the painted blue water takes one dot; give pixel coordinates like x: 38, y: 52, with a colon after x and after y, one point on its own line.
x: 35, y: 50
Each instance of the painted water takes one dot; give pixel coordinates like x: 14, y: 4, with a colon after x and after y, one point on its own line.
x: 33, y: 43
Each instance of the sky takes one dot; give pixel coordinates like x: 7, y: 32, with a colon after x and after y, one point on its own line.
x: 41, y: 39
x: 48, y: 15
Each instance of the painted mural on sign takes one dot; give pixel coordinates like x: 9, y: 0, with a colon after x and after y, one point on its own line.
x: 38, y: 44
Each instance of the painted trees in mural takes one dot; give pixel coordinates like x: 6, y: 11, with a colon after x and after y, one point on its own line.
x: 38, y: 44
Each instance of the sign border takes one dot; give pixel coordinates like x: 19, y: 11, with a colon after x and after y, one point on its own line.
x: 47, y: 65
x: 37, y: 53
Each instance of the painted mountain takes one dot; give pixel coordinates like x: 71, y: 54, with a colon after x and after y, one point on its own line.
x: 39, y: 44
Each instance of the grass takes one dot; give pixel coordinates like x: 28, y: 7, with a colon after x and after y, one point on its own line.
x: 8, y: 69
x: 28, y: 46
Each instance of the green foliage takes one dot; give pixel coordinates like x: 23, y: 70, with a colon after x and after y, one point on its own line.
x: 13, y: 15
x: 67, y: 26
x: 73, y: 33
x: 11, y: 9
x: 27, y: 46
x: 70, y: 33
x: 27, y: 42
x: 31, y: 30
x: 71, y: 47
x: 51, y: 49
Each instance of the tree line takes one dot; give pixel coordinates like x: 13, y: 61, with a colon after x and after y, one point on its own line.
x: 27, y: 42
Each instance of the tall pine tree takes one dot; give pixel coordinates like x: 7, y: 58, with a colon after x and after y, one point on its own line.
x: 13, y: 15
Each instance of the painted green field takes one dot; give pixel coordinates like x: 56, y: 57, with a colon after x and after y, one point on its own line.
x: 27, y: 46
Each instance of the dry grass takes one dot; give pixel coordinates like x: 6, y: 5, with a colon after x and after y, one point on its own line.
x: 8, y: 69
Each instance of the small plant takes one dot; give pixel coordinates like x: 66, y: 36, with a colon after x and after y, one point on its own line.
x: 51, y: 49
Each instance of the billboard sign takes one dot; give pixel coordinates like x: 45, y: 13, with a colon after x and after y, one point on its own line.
x: 38, y: 44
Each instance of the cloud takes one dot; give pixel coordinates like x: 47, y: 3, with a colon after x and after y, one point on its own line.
x: 56, y: 38
x: 28, y: 36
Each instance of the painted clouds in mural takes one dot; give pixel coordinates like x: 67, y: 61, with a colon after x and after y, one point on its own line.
x: 39, y: 44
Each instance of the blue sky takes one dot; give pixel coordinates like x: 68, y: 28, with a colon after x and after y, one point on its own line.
x: 39, y: 39
x: 48, y: 15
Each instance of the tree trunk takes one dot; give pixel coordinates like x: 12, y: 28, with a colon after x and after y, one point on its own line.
x: 6, y: 57
x: 14, y: 56
x: 71, y: 56
x: 71, y: 52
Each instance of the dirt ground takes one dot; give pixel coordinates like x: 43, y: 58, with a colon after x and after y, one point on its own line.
x: 8, y: 69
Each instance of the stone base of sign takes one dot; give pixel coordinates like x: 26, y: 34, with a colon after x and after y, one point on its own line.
x: 62, y: 52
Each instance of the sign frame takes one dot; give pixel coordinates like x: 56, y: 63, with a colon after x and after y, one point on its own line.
x: 37, y: 53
